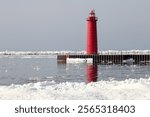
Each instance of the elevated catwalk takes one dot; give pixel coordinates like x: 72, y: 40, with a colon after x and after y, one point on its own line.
x: 141, y: 59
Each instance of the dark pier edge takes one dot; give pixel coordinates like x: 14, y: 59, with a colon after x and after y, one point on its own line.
x: 139, y: 59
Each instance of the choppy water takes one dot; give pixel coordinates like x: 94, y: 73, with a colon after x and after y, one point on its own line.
x: 41, y: 77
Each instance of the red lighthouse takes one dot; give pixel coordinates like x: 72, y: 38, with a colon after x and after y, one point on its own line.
x: 92, y: 34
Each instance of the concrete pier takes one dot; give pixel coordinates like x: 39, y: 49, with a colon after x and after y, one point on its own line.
x: 140, y: 59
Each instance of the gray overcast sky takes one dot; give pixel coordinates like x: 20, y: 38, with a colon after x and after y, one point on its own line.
x: 61, y: 24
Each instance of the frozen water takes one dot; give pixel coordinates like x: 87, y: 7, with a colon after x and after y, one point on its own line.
x: 29, y: 75
x: 103, y: 90
x: 72, y: 52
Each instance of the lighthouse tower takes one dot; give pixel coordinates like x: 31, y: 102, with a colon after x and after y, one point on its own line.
x: 92, y: 34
